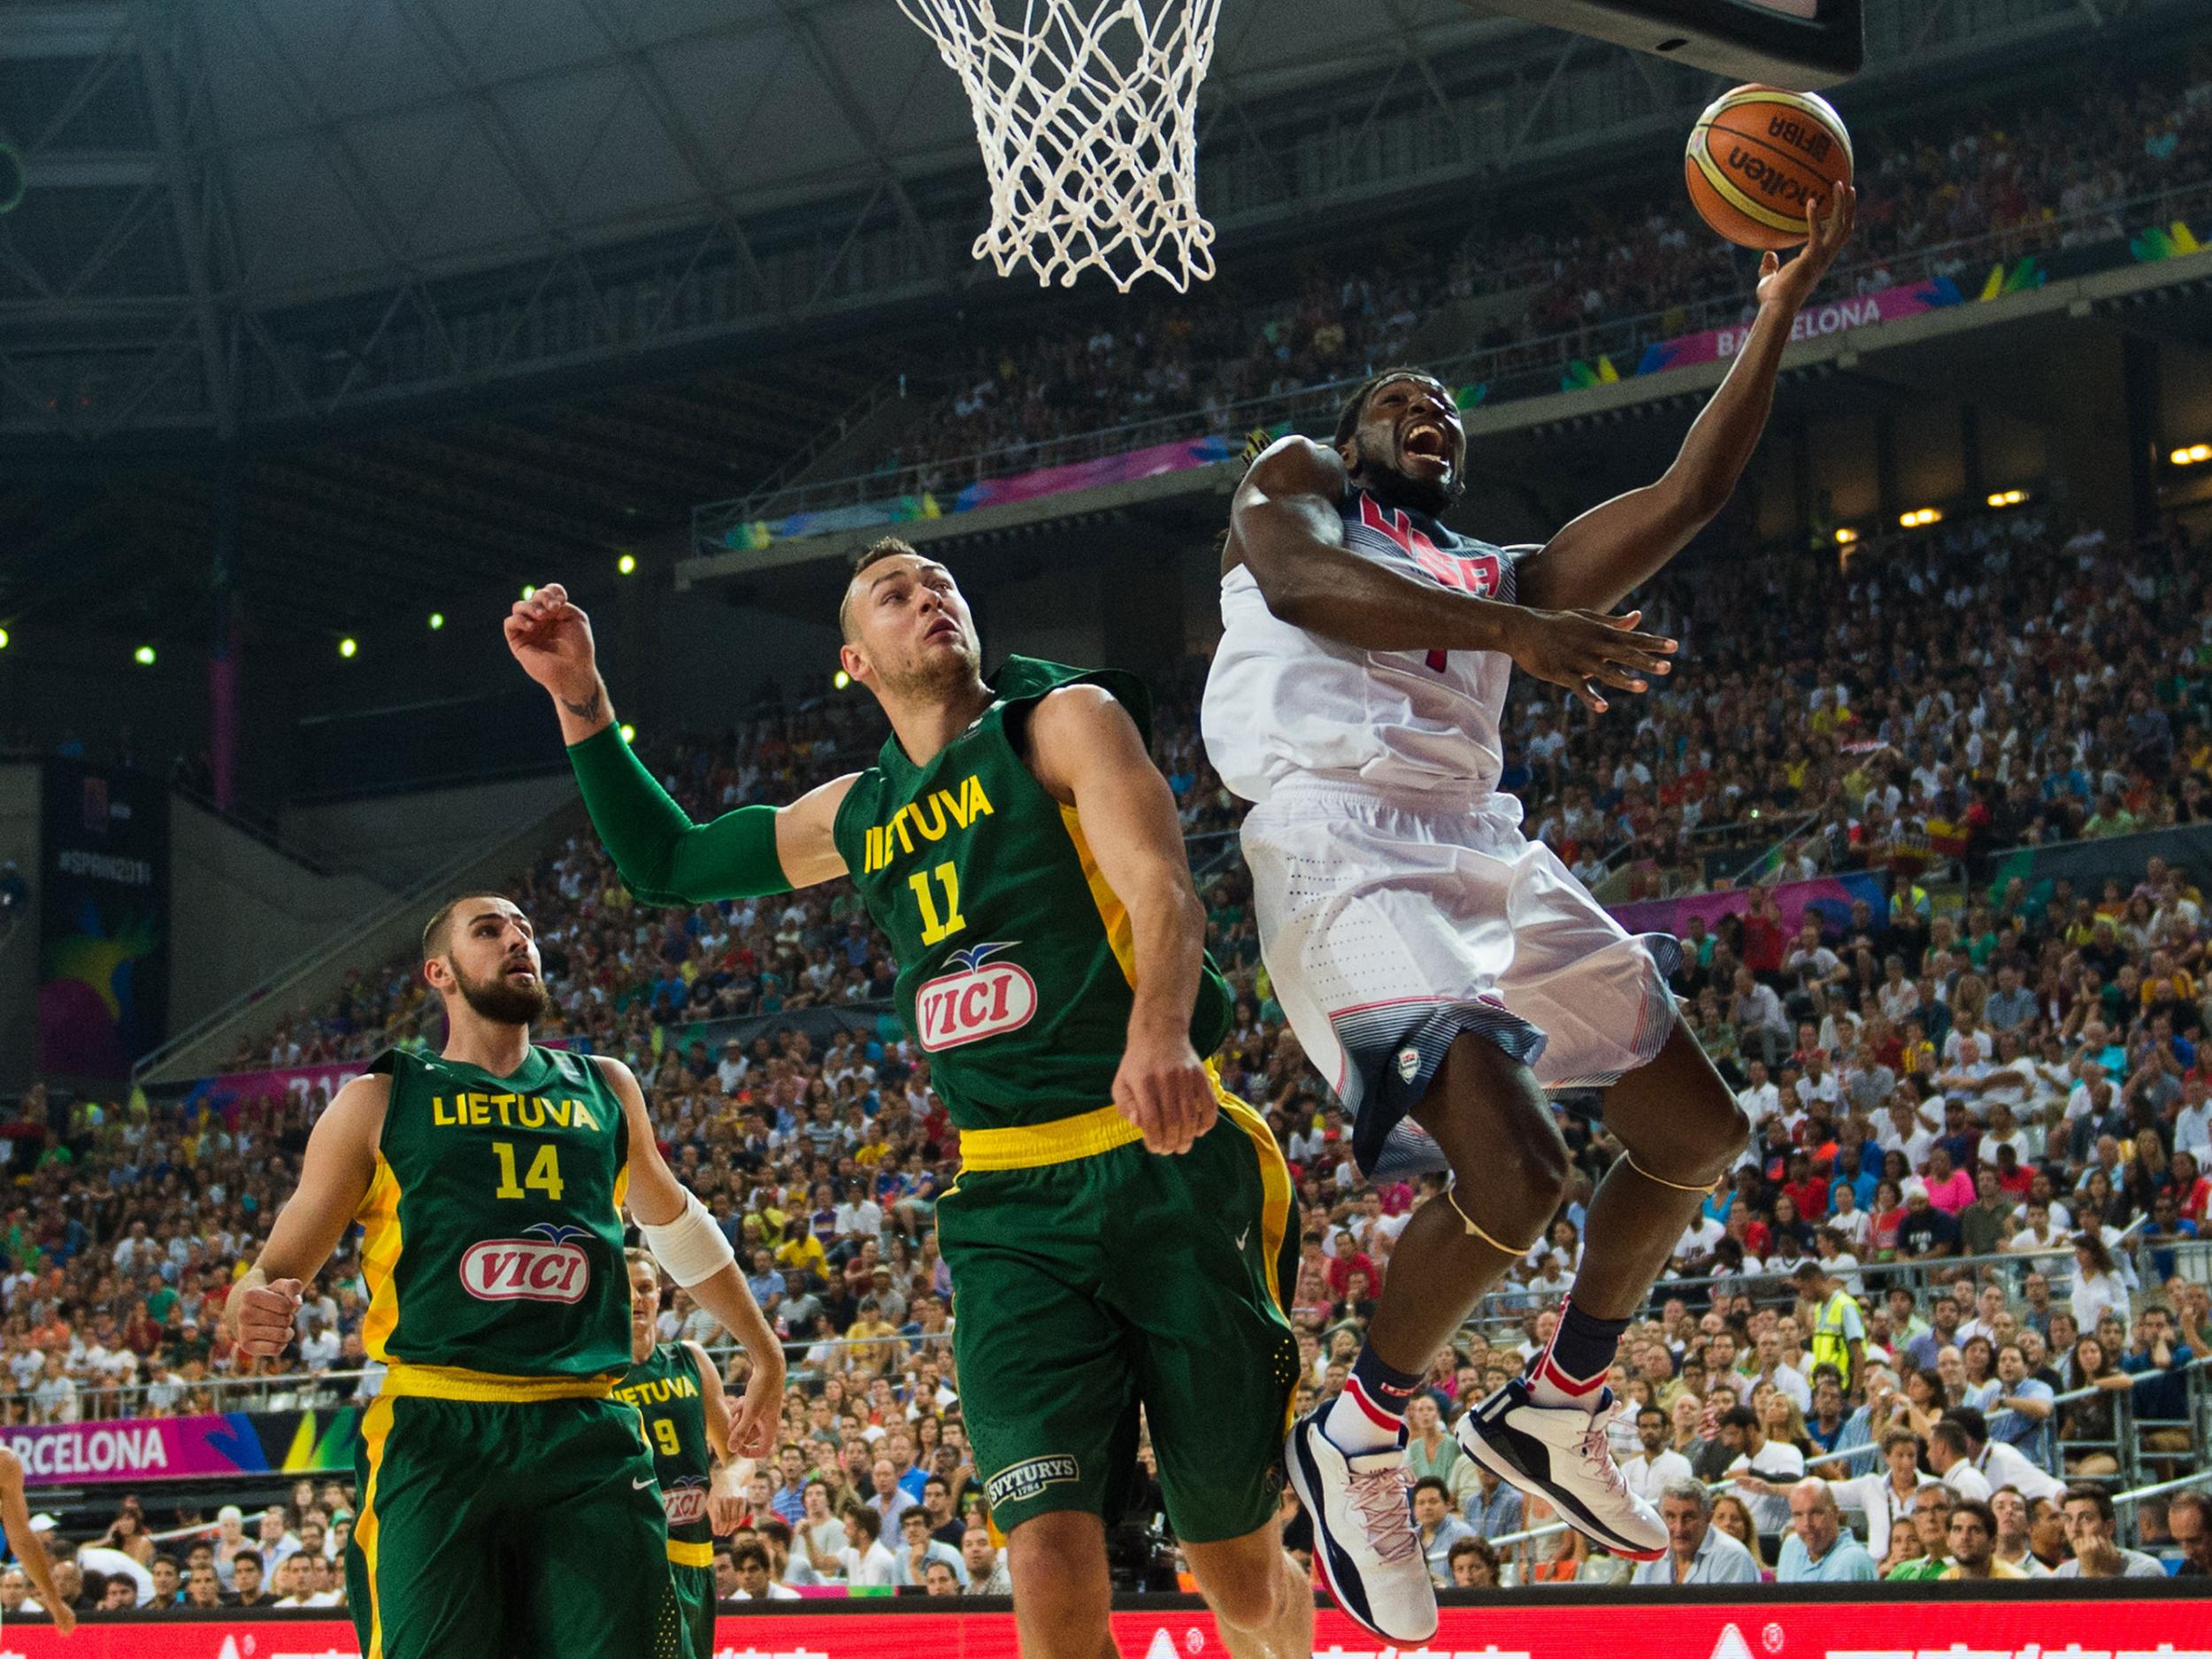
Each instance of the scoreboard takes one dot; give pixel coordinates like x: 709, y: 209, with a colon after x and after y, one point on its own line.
x: 1802, y: 44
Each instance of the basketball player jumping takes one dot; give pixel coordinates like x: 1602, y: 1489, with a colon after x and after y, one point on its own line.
x: 1437, y: 966
x: 1018, y: 847
x: 509, y: 1503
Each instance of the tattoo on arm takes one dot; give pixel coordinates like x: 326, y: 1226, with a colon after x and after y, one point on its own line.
x: 589, y: 708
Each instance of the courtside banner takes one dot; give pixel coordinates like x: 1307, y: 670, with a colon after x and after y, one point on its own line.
x: 1761, y: 1627
x: 138, y: 1449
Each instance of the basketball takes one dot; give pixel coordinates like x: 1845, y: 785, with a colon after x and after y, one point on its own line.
x: 1757, y: 155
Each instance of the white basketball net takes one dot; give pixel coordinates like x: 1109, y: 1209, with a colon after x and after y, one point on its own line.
x: 1087, y: 114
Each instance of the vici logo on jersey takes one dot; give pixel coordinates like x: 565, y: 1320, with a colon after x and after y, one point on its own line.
x: 542, y: 1266
x: 981, y: 999
x: 686, y: 1501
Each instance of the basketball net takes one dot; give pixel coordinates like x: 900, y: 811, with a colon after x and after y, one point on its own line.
x: 1087, y: 115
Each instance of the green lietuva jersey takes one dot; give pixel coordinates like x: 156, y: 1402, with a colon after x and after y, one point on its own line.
x: 665, y: 1388
x: 1017, y: 971
x: 495, y: 1220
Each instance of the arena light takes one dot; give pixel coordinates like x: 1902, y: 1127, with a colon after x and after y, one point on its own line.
x: 2192, y: 454
x: 2008, y: 498
x: 1920, y: 516
x: 627, y: 564
x: 437, y: 620
x: 528, y: 592
x: 143, y: 657
x: 840, y: 680
x: 1845, y: 535
x: 629, y: 733
x: 349, y: 648
x: 4, y: 639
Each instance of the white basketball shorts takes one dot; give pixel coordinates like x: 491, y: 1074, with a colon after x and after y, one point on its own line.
x: 1392, y: 923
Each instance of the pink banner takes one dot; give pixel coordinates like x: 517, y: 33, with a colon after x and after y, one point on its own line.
x: 231, y: 1088
x: 1830, y: 898
x: 1830, y: 317
x: 1766, y: 1622
x: 1112, y: 469
x: 139, y: 1449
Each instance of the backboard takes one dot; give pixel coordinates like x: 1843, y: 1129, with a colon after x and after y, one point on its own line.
x: 1802, y: 44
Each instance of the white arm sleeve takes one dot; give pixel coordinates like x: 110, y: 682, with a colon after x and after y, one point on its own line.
x: 691, y: 1247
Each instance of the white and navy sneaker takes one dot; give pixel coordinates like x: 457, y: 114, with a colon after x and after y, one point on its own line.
x: 1363, y: 1531
x: 1559, y: 1454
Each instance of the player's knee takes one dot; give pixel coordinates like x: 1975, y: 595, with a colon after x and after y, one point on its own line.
x: 1706, y: 1133
x: 1496, y: 1129
x: 1245, y: 1602
x: 1061, y: 1589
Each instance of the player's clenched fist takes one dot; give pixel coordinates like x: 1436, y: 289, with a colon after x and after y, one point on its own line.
x: 263, y: 1321
x: 1162, y: 1089
x: 551, y: 639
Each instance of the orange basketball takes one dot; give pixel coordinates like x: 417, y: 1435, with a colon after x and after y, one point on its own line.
x: 1755, y: 157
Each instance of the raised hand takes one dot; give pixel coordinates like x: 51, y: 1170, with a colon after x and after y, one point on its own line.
x: 1792, y: 284
x: 1583, y: 649
x: 551, y: 639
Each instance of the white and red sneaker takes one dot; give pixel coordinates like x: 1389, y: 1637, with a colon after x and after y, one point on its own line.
x: 1560, y: 1453
x: 1363, y: 1531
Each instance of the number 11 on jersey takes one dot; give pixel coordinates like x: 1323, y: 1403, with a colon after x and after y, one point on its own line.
x: 935, y: 931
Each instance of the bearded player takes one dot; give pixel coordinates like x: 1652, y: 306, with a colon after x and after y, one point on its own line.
x: 1441, y: 971
x: 1117, y: 1238
x: 509, y: 1503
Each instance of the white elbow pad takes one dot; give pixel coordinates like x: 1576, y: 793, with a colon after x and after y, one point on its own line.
x: 691, y: 1247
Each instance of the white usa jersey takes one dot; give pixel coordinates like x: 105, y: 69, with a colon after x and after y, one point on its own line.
x: 1282, y: 701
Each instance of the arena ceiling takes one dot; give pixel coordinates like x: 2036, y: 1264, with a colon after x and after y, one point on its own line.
x: 235, y: 208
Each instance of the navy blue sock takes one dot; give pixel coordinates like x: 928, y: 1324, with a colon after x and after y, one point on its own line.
x: 1572, y: 1369
x: 1371, y: 1410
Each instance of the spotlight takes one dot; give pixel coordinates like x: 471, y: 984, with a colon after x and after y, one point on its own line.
x: 1920, y: 516
x: 2192, y: 454
x: 840, y: 680
x: 143, y: 657
x: 529, y: 592
x: 4, y: 639
x: 627, y: 564
x: 437, y: 620
x: 629, y: 733
x: 1845, y: 535
x: 347, y: 647
x: 2008, y: 498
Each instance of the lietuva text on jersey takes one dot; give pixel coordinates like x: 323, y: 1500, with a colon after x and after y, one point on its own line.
x: 510, y: 1112
x: 1283, y: 700
x: 924, y: 821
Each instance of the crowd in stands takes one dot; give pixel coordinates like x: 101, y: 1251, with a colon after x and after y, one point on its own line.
x: 2047, y: 175
x: 1938, y: 695
x: 1960, y: 1239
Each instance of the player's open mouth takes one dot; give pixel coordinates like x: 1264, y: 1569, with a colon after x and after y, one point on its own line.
x: 944, y: 629
x: 1426, y: 442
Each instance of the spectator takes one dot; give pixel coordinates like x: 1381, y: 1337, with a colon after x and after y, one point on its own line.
x: 1818, y: 1549
x: 987, y: 1571
x: 1437, y: 1527
x: 1973, y: 1543
x: 2092, y: 1529
x: 1698, y: 1551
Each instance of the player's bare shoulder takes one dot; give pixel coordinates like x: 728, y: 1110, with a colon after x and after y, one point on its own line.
x: 806, y: 833
x: 1068, y: 727
x: 355, y: 1118
x: 1290, y: 467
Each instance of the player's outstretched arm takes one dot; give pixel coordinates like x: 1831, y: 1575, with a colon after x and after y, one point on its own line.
x: 1087, y: 752
x: 1617, y: 545
x: 691, y: 1251
x: 29, y: 1548
x: 664, y: 856
x: 1284, y: 528
x: 335, y: 1171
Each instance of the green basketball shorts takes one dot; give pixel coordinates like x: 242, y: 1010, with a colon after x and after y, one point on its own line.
x: 694, y: 1608
x: 1092, y: 1278
x: 505, y: 1517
